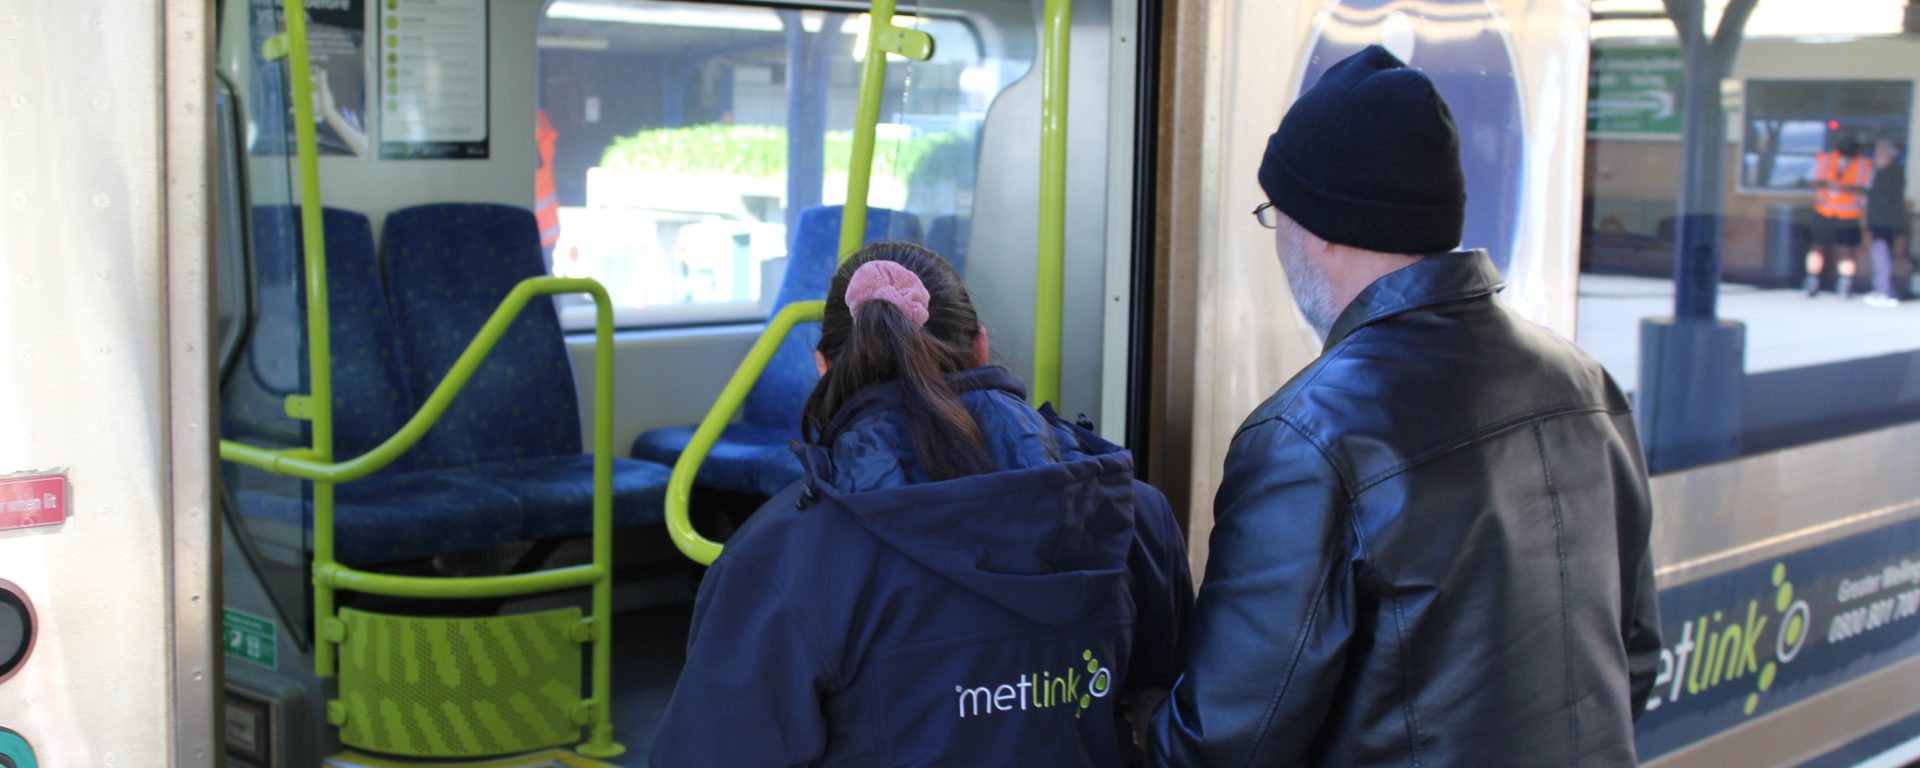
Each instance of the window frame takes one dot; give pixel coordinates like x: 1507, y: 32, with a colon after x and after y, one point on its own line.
x: 1829, y: 114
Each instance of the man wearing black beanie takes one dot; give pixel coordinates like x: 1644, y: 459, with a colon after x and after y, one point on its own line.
x: 1430, y: 546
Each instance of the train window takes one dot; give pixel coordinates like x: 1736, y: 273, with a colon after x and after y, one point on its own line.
x: 680, y: 141
x: 1748, y: 269
x: 1787, y: 122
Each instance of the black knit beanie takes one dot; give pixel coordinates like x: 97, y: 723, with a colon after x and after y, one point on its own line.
x: 1369, y: 157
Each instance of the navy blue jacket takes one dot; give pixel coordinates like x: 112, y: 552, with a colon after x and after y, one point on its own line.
x: 868, y: 616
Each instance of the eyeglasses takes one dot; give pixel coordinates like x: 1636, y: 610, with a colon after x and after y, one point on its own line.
x: 1267, y: 215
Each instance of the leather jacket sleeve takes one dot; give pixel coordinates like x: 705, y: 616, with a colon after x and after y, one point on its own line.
x: 1643, y: 636
x: 1639, y: 609
x: 1275, y: 614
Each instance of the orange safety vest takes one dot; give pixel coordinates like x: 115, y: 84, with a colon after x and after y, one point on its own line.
x: 546, y: 201
x: 1834, y: 202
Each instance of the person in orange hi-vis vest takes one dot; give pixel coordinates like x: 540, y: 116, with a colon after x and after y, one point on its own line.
x: 546, y: 201
x: 1840, y: 180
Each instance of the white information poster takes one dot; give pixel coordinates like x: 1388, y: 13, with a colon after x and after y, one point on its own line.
x: 433, y: 79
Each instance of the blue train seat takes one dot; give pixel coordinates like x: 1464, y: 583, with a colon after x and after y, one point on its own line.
x: 396, y: 514
x: 947, y: 236
x: 770, y: 416
x: 516, y: 425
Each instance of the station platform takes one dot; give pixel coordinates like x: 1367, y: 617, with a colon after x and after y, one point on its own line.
x: 1785, y: 329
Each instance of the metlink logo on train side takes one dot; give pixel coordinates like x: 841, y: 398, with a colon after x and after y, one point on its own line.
x: 1038, y: 691
x: 1716, y: 649
x: 1758, y: 638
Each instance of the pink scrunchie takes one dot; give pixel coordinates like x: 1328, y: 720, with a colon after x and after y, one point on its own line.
x: 889, y: 282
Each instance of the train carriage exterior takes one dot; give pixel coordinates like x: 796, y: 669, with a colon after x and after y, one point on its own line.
x: 456, y: 356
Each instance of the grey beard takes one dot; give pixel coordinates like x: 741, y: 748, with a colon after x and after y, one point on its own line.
x: 1310, y: 293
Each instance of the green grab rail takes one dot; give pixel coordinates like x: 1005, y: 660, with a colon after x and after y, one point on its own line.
x: 299, y: 463
x: 330, y: 575
x: 317, y: 406
x: 316, y: 463
x: 339, y: 576
x: 1050, y: 280
x: 883, y: 37
x: 699, y: 548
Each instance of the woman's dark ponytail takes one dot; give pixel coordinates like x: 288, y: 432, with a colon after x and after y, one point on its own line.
x: 883, y: 343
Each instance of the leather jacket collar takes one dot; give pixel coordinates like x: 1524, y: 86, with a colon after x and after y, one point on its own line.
x: 1432, y: 280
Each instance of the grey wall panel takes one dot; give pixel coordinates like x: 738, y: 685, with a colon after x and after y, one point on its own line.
x: 1005, y: 228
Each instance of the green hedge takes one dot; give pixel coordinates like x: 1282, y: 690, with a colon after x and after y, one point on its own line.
x: 761, y: 151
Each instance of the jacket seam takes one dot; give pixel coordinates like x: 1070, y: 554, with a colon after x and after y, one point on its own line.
x: 1566, y: 621
x: 1326, y: 454
x: 1406, y: 674
x: 1483, y: 433
x: 1318, y: 368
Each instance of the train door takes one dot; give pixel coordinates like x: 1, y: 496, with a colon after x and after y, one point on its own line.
x: 1706, y: 216
x: 680, y: 169
x: 108, y: 568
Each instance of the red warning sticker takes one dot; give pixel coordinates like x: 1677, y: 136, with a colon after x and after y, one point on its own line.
x: 29, y: 502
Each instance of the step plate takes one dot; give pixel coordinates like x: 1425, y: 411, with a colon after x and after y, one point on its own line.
x: 459, y: 687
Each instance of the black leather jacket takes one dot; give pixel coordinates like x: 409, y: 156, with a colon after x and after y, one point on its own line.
x: 1430, y: 549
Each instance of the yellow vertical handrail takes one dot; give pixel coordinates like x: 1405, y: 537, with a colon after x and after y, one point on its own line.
x: 317, y: 405
x: 1050, y: 258
x: 600, y: 741
x: 883, y: 37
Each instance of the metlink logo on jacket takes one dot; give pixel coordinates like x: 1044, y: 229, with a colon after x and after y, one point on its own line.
x: 1038, y: 691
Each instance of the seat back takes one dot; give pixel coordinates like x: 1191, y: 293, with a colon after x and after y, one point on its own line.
x: 370, y: 400
x: 449, y: 265
x: 778, y: 397
x: 947, y: 236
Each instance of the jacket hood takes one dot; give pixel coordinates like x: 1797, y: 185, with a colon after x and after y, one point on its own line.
x: 1045, y: 534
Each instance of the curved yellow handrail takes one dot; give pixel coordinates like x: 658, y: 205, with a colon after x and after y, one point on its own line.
x: 680, y: 487
x: 329, y: 575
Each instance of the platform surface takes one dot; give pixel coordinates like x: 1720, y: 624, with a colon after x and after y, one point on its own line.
x: 1785, y: 329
